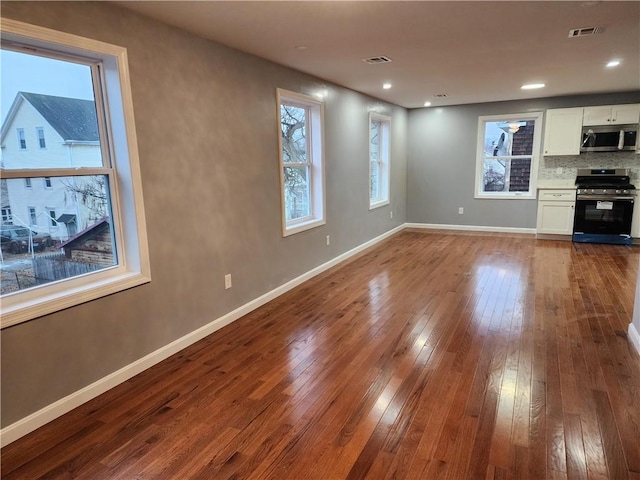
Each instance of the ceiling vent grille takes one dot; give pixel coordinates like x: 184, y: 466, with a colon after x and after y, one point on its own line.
x: 376, y: 60
x: 584, y: 32
x: 440, y: 95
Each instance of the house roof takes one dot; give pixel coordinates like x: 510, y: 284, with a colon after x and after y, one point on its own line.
x: 87, y: 233
x: 66, y: 218
x: 74, y: 119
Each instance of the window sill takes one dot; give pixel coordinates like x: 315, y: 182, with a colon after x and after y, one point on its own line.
x: 301, y: 227
x: 510, y: 196
x: 382, y: 203
x: 22, y: 306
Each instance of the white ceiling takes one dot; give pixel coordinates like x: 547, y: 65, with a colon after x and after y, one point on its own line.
x: 472, y: 51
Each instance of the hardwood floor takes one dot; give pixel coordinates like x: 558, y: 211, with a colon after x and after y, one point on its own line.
x: 430, y: 356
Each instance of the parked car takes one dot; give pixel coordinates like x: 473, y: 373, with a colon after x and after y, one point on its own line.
x: 15, y: 239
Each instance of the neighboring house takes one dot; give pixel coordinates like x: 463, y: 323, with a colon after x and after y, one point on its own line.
x: 50, y: 132
x: 93, y: 245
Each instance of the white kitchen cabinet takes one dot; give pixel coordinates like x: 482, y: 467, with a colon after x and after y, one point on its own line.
x: 611, y: 115
x: 555, y: 212
x: 563, y: 131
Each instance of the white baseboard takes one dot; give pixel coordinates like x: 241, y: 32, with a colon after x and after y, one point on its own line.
x: 43, y: 416
x: 470, y: 228
x: 634, y: 337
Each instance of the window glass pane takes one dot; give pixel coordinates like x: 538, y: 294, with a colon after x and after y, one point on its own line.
x: 293, y: 123
x: 60, y: 93
x: 494, y: 175
x: 375, y: 141
x: 374, y: 185
x: 508, y: 138
x: 519, y: 174
x: 296, y: 192
x: 71, y: 237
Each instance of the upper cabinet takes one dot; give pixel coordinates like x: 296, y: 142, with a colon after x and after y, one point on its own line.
x: 611, y: 115
x: 562, y: 131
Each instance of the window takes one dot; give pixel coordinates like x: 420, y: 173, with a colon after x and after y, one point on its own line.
x: 508, y: 150
x: 22, y: 141
x: 92, y: 177
x: 379, y: 127
x: 7, y: 219
x: 301, y: 162
x: 40, y: 134
x: 52, y: 216
x: 33, y: 217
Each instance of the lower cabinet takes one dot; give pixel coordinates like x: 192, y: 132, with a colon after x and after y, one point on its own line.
x: 555, y: 212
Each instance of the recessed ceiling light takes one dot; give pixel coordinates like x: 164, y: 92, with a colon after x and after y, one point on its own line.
x: 301, y: 47
x: 532, y: 86
x: 613, y: 63
x: 427, y: 104
x: 386, y: 86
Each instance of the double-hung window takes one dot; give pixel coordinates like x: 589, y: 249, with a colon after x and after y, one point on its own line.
x: 508, y: 152
x: 92, y: 190
x: 301, y: 162
x: 41, y: 141
x: 379, y: 164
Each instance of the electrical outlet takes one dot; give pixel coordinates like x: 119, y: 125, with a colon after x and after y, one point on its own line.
x: 328, y: 240
x: 460, y: 210
x: 227, y: 281
x: 391, y: 214
x: 559, y: 171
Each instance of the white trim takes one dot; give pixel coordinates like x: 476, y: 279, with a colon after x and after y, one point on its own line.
x: 634, y: 337
x: 45, y: 415
x: 470, y: 228
x: 316, y: 162
x: 128, y: 219
x: 384, y: 161
x: 535, y: 157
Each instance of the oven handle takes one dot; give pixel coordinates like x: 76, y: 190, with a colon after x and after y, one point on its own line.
x: 606, y: 198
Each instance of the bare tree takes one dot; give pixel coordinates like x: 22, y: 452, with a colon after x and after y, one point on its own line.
x: 91, y: 192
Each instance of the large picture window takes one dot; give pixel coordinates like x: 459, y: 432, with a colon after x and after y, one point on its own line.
x: 301, y: 161
x: 508, y: 150
x: 83, y: 234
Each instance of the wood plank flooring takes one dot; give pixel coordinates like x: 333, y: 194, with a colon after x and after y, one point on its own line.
x: 430, y: 356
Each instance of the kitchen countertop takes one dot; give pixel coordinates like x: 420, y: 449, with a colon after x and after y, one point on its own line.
x: 556, y: 184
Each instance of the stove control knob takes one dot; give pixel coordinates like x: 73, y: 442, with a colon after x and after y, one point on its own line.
x: 618, y: 191
x: 625, y: 191
x: 604, y: 191
x: 593, y: 191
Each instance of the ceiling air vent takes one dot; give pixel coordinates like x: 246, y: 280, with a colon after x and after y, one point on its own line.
x: 584, y: 32
x: 376, y: 60
x: 440, y: 95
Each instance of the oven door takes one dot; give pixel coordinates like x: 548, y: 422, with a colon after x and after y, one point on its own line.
x: 603, y: 219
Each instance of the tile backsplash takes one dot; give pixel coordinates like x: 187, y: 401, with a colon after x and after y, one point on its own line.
x: 571, y: 163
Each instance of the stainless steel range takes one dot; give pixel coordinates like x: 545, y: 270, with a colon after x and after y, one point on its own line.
x: 604, y: 206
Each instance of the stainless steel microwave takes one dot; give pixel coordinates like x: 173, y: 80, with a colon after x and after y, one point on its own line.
x: 609, y: 138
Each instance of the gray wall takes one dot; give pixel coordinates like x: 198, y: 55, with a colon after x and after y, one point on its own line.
x: 207, y: 125
x: 442, y: 162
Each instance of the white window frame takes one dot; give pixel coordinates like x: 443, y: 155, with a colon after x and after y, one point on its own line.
x: 315, y: 161
x: 47, y: 180
x: 32, y: 215
x: 21, y: 138
x: 40, y: 138
x: 7, y: 217
x: 121, y: 164
x: 384, y: 160
x: 53, y: 223
x: 535, y: 155
x: 28, y: 183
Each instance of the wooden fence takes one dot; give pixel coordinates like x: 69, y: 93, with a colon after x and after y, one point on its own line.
x: 48, y: 268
